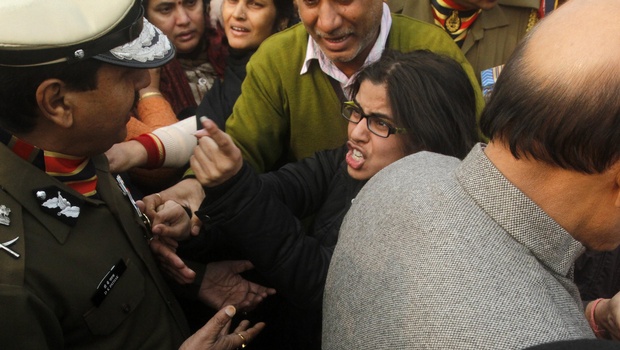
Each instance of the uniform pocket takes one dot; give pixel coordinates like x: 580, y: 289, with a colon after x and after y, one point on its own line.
x: 118, y: 305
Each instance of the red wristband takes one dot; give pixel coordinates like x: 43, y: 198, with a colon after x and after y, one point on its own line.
x: 154, y: 149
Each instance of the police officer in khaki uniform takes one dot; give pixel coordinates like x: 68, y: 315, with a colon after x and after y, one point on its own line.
x: 493, y: 33
x: 76, y: 271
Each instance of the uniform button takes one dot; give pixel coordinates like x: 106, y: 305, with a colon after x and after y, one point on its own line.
x: 126, y: 308
x: 203, y: 81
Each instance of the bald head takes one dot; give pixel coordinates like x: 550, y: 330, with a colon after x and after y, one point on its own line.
x: 573, y: 43
x: 557, y: 99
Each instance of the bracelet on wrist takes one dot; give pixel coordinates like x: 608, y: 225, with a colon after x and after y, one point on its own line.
x: 149, y: 94
x: 598, y: 331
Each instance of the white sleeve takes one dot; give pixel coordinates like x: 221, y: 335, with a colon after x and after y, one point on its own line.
x: 178, y: 140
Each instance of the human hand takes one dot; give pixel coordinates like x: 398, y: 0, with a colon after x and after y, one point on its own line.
x: 170, y: 219
x: 170, y: 223
x: 126, y: 155
x: 155, y: 75
x: 214, y: 334
x: 170, y: 263
x: 223, y: 285
x: 606, y: 317
x: 188, y: 193
x: 216, y: 158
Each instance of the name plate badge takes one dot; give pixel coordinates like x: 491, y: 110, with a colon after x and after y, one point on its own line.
x: 108, y: 282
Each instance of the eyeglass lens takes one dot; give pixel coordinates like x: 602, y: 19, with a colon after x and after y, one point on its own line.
x: 376, y: 125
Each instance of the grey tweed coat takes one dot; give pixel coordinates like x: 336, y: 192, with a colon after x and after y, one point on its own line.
x: 437, y: 254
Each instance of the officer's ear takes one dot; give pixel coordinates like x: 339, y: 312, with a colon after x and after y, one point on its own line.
x: 51, y: 99
x: 616, y: 169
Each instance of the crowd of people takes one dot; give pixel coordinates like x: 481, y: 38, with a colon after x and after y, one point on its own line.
x: 309, y: 174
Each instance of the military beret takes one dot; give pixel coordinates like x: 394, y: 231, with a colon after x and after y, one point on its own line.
x: 41, y: 32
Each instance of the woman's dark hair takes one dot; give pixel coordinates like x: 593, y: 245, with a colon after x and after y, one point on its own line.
x: 18, y: 103
x: 284, y: 9
x: 431, y: 96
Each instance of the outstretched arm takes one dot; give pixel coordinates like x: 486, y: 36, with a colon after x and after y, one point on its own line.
x: 262, y: 227
x: 221, y: 284
x: 126, y: 155
x: 167, y: 146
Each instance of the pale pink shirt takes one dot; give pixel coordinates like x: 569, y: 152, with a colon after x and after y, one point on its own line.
x: 328, y: 67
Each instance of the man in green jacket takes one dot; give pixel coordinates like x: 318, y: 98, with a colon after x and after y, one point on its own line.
x: 290, y: 101
x: 296, y: 82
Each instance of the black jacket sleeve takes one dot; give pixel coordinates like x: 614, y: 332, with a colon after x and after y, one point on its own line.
x: 259, y: 215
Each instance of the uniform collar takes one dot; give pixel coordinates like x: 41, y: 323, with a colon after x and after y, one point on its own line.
x: 491, y: 19
x: 19, y: 186
x: 494, y: 18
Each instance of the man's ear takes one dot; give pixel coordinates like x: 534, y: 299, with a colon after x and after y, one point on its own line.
x: 616, y: 169
x: 51, y: 100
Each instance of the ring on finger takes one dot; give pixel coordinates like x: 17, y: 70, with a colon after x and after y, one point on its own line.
x: 242, y: 338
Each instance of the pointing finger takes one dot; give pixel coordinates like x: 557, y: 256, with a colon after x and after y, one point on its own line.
x: 223, y: 141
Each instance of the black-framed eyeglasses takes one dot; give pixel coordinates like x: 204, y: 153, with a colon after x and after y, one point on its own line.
x: 376, y: 124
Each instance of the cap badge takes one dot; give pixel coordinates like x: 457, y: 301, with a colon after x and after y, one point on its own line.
x: 147, y: 47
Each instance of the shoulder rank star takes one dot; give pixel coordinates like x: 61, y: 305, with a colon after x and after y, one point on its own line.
x: 4, y: 215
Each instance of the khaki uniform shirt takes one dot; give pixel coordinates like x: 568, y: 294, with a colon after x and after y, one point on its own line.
x: 46, y: 295
x: 492, y: 38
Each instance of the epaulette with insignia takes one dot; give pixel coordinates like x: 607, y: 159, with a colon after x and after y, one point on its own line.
x: 61, y: 204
